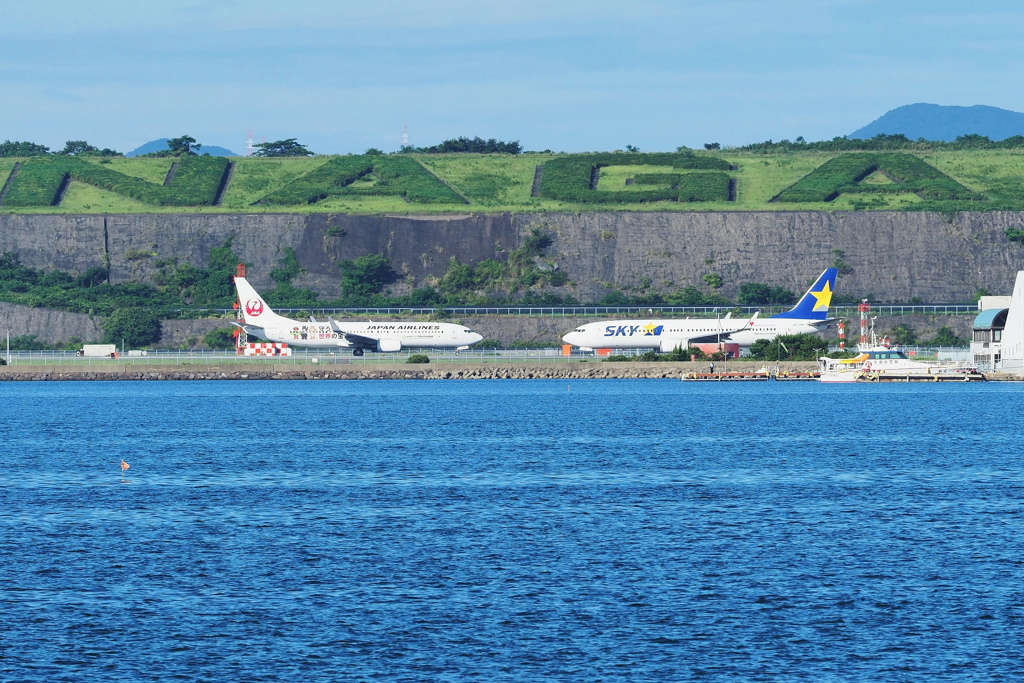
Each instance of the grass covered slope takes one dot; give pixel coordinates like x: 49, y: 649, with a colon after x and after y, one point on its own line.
x: 727, y: 180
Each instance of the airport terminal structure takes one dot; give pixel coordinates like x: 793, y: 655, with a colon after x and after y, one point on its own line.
x: 998, y: 332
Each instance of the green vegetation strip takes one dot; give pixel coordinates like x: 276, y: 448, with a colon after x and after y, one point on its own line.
x: 568, y: 178
x: 39, y: 181
x: 385, y: 175
x: 691, y: 187
x: 844, y: 175
x: 928, y: 179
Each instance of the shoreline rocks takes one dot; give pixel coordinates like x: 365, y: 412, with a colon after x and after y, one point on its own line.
x: 593, y: 370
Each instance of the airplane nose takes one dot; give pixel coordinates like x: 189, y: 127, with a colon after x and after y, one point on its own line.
x: 572, y: 338
x: 474, y: 337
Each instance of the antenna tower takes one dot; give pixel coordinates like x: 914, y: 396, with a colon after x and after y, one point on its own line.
x: 250, y: 143
x: 405, y: 137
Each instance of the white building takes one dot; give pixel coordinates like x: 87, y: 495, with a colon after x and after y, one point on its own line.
x: 1012, y: 350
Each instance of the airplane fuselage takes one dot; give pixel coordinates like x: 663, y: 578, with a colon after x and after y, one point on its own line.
x: 390, y: 336
x: 648, y: 334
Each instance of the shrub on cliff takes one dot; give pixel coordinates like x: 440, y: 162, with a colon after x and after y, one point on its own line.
x: 364, y: 276
x: 135, y: 326
x: 223, y: 338
x: 756, y: 294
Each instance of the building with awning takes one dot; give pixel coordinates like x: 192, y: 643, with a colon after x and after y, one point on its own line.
x: 987, y: 337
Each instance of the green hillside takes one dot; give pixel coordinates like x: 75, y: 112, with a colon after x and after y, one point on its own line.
x: 727, y: 180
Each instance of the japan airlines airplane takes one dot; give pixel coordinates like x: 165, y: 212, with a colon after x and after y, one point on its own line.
x: 810, y: 315
x: 661, y: 335
x: 262, y: 322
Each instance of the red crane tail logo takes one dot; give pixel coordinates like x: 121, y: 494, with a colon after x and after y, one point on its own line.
x: 254, y: 307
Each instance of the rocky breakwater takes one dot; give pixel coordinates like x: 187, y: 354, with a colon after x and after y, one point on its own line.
x: 276, y: 372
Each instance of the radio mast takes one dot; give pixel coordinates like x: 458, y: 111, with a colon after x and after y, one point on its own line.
x: 250, y: 143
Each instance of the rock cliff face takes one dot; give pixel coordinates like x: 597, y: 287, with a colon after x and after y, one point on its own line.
x: 891, y: 256
x: 48, y: 325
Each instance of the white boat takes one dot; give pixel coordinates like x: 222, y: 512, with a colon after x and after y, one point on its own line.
x: 877, y: 361
x: 839, y: 369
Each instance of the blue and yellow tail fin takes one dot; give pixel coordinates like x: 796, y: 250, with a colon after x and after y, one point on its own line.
x: 813, y: 305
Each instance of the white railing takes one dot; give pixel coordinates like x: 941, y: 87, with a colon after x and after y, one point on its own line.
x: 299, y: 357
x: 837, y: 311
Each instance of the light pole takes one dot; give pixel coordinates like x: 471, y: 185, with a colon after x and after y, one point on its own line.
x: 725, y: 354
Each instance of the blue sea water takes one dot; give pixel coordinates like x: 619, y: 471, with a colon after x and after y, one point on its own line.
x: 608, y: 530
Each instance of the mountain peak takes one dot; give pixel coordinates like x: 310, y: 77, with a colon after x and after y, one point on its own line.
x: 161, y: 144
x: 940, y: 122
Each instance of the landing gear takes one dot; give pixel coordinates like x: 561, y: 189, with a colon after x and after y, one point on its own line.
x: 357, y: 352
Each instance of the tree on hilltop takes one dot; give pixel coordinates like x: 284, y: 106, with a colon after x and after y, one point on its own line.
x: 282, y: 148
x: 475, y: 145
x: 22, y: 149
x: 185, y: 146
x: 81, y: 148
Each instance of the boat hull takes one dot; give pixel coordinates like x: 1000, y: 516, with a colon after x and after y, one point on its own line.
x: 838, y: 377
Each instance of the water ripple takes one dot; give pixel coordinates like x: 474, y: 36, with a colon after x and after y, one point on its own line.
x: 510, y: 531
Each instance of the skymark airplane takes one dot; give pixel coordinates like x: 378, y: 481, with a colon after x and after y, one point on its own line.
x: 262, y: 322
x: 809, y: 315
x: 662, y: 335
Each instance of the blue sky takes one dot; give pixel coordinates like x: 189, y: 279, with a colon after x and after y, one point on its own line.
x: 566, y: 75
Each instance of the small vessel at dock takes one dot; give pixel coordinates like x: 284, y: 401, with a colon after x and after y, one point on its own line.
x: 881, y: 362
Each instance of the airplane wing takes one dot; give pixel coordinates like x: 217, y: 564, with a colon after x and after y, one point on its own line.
x: 747, y: 324
x: 710, y: 338
x: 357, y: 341
x: 715, y: 337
